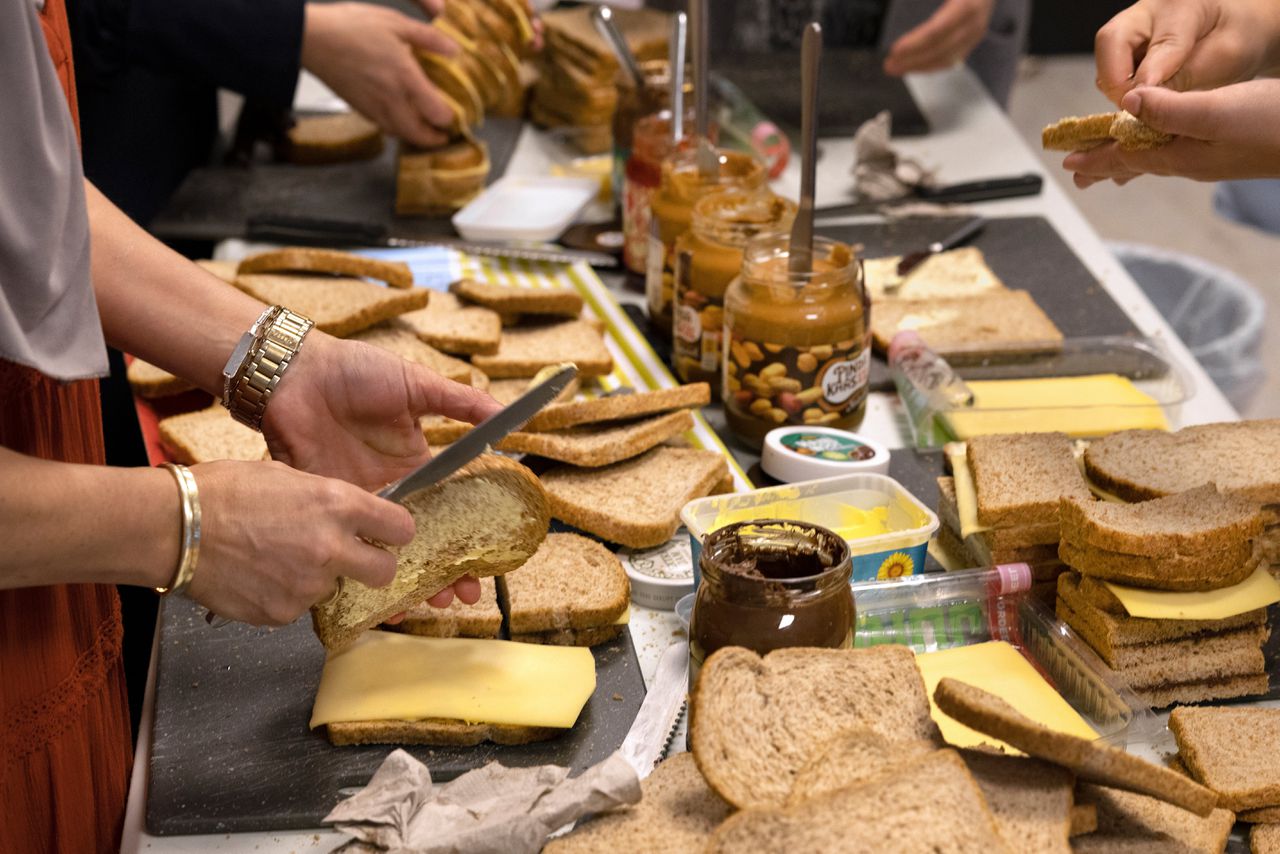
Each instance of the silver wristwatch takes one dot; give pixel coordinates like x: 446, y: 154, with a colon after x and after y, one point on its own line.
x: 268, y: 349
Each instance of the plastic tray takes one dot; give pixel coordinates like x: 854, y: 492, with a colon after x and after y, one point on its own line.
x: 899, y: 552
x: 525, y: 208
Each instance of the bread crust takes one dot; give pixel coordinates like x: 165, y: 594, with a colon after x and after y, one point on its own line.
x: 436, y: 731
x: 303, y: 259
x: 616, y: 407
x: 563, y: 302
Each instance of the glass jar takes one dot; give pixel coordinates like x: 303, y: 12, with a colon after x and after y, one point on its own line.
x: 797, y: 345
x: 708, y: 258
x: 650, y: 144
x: 633, y: 105
x: 672, y: 207
x: 771, y: 584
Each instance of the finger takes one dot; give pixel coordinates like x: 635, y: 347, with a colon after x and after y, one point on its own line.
x: 1105, y: 161
x: 938, y: 27
x: 422, y: 97
x: 467, y: 589
x: 1115, y: 47
x: 443, y: 599
x: 370, y: 565
x: 1200, y: 115
x: 395, y: 619
x: 380, y: 520
x: 930, y: 54
x: 430, y: 393
x: 426, y: 37
x: 433, y: 8
x: 1174, y: 32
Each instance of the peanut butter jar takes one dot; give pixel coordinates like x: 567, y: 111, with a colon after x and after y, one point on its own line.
x: 672, y: 211
x: 707, y: 258
x: 797, y: 348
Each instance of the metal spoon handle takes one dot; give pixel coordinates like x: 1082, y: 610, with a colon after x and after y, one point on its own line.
x: 679, y: 40
x: 700, y: 36
x: 602, y: 17
x: 801, y: 249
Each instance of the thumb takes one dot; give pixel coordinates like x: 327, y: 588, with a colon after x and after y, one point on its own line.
x: 1193, y: 114
x: 426, y: 37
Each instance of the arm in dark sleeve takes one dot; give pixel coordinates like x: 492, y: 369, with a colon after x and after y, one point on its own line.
x: 253, y: 47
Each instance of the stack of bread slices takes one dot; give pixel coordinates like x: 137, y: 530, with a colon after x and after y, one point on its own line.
x: 1171, y: 593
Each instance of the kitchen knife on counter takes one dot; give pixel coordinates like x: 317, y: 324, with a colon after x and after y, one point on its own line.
x: 314, y: 231
x: 986, y: 190
x: 959, y: 237
x: 651, y: 731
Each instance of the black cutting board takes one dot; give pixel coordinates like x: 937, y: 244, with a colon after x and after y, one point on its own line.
x: 215, y: 202
x: 231, y: 750
x: 852, y: 88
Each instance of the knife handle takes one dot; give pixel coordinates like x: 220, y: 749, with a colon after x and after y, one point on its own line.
x: 990, y: 189
x: 313, y: 231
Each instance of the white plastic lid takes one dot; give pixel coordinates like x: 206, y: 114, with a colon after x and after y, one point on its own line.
x: 660, y: 575
x: 794, y: 454
x: 515, y: 208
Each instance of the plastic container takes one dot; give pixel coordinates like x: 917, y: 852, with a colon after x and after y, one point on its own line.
x: 838, y: 503
x: 514, y: 208
x: 660, y: 576
x: 793, y: 454
x: 1145, y: 363
x: 1219, y: 316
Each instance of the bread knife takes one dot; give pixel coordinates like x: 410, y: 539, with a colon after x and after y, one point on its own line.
x: 985, y: 190
x: 314, y: 231
x: 650, y: 733
x: 484, y: 435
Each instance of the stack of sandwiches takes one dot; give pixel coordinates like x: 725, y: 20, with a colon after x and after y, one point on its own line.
x: 577, y: 84
x: 1001, y: 503
x: 1171, y: 593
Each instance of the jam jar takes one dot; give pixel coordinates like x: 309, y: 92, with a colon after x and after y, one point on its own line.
x: 797, y: 344
x: 770, y: 584
x: 634, y: 103
x: 672, y: 206
x: 707, y: 258
x: 651, y: 143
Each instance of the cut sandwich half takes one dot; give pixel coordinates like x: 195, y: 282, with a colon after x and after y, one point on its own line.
x: 572, y: 592
x: 487, y: 519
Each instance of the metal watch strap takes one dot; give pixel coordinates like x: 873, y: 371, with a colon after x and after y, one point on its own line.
x: 266, y: 365
x: 243, y: 351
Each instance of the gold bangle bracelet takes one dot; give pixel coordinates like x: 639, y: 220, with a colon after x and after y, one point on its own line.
x: 189, y: 554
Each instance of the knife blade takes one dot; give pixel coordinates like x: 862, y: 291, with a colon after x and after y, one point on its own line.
x: 485, y: 434
x: 960, y: 236
x: 659, y: 713
x: 985, y: 190
x: 315, y: 231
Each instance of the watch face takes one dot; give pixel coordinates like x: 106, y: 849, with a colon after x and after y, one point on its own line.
x: 237, y: 355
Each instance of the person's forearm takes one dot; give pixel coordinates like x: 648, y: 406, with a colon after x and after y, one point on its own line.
x: 65, y: 524
x: 158, y: 305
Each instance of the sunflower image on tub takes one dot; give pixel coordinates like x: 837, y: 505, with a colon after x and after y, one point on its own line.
x: 896, y: 565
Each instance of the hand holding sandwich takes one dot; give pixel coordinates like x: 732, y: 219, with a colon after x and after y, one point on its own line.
x: 1226, y: 133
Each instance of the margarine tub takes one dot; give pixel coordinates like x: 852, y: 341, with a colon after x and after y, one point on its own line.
x: 886, y: 527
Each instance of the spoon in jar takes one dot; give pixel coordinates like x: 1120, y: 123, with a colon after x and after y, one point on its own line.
x: 800, y: 251
x: 679, y: 37
x: 705, y: 156
x: 602, y: 17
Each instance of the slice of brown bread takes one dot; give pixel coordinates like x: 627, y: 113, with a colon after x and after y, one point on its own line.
x: 440, y: 430
x: 1163, y: 696
x: 562, y: 302
x: 1212, y: 570
x: 1234, y: 751
x: 436, y: 732
x: 618, y: 407
x: 1020, y: 477
x: 1078, y: 133
x: 210, y: 434
x: 1264, y: 839
x: 458, y: 620
x: 971, y: 327
x: 225, y: 270
x: 1133, y: 134
x: 958, y: 272
x: 452, y: 327
x: 932, y: 805
x: 509, y: 391
x: 593, y: 636
x: 571, y: 582
x: 1140, y: 464
x: 1130, y: 823
x: 677, y: 812
x: 1261, y: 815
x: 1030, y: 799
x: 1092, y: 761
x: 636, y: 502
x: 486, y: 519
x: 852, y: 757
x: 297, y: 259
x: 1125, y: 630
x: 994, y: 540
x: 956, y: 550
x: 1084, y: 819
x: 407, y: 346
x: 339, y: 306
x: 335, y: 138
x: 755, y: 723
x: 1189, y: 523
x: 149, y: 381
x: 1216, y: 658
x: 525, y: 350
x: 596, y: 446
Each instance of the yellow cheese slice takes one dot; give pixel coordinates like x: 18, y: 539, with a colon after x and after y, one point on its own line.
x: 1095, y: 405
x: 1078, y: 447
x: 997, y: 667
x: 1257, y: 591
x: 385, y: 676
x: 624, y: 619
x: 966, y: 494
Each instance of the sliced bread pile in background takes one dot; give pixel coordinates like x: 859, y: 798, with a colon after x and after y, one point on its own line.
x: 1236, y: 753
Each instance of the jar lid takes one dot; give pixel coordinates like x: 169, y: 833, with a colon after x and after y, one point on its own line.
x: 794, y: 454
x: 661, y: 575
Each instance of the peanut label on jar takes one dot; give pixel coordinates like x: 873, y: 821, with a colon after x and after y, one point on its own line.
x: 655, y: 259
x: 782, y: 384
x: 699, y: 323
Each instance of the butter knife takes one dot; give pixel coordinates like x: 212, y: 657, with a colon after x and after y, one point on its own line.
x: 959, y: 237
x: 649, y: 735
